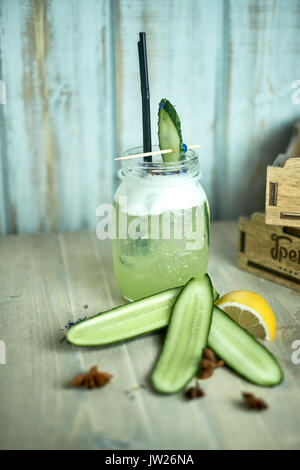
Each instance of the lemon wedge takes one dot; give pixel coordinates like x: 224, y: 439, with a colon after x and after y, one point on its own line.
x: 251, y: 312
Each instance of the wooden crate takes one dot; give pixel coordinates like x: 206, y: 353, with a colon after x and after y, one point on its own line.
x: 269, y: 251
x: 283, y: 186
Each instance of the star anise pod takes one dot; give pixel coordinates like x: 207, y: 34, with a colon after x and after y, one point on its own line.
x: 254, y: 402
x: 209, y: 363
x: 209, y: 354
x: 195, y: 392
x: 92, y: 379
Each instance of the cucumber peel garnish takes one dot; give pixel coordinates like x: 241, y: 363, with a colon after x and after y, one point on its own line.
x: 169, y: 131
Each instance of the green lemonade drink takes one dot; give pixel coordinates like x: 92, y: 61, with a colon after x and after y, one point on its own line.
x: 146, y: 266
x: 162, y: 226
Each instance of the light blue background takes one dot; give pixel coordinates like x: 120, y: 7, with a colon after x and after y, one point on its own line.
x: 73, y: 98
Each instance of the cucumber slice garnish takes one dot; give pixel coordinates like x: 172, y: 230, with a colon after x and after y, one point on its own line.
x: 128, y: 321
x: 169, y: 131
x: 186, y: 336
x: 242, y: 352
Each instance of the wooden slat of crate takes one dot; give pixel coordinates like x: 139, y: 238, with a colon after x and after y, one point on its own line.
x: 283, y: 194
x: 293, y: 149
x: 269, y: 251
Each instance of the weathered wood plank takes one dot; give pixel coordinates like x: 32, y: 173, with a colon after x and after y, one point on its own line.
x: 37, y: 410
x: 58, y: 129
x: 73, y: 99
x: 263, y: 51
x: 182, y: 43
x: 46, y: 281
x: 265, y: 430
x: 111, y: 412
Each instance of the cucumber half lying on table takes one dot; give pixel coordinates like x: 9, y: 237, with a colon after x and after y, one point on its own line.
x: 128, y: 321
x: 240, y: 351
x: 186, y: 336
x: 121, y: 323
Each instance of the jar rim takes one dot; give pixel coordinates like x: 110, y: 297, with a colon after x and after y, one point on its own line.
x: 159, y: 166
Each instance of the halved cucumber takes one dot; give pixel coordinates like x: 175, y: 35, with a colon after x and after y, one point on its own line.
x: 121, y: 323
x: 186, y: 336
x: 125, y: 322
x: 242, y: 352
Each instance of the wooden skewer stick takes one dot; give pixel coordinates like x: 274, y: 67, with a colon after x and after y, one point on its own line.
x: 146, y: 154
x: 157, y: 152
x: 196, y: 146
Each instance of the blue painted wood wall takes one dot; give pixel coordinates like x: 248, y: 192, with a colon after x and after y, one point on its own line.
x: 70, y: 68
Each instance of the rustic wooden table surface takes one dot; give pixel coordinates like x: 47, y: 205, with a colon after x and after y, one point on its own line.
x: 45, y: 282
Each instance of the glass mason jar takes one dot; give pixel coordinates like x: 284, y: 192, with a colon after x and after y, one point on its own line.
x: 162, y: 224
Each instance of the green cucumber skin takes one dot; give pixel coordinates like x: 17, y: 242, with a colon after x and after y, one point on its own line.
x: 164, y: 320
x: 134, y: 313
x: 216, y: 294
x: 207, y: 219
x: 222, y: 346
x: 121, y: 313
x: 165, y: 114
x: 186, y: 337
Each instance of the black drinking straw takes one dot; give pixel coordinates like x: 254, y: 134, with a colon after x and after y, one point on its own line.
x: 145, y: 96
